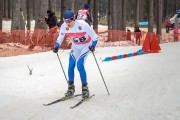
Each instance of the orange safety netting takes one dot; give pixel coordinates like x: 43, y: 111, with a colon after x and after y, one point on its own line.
x: 17, y: 42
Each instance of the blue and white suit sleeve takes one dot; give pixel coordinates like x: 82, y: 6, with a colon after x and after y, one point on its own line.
x: 61, y: 36
x: 92, y: 34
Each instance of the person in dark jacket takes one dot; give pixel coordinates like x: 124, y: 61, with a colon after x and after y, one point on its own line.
x: 51, y: 21
x: 137, y: 35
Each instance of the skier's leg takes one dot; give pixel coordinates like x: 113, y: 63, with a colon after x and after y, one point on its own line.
x: 72, y: 62
x: 82, y: 72
x: 80, y: 67
x: 74, y: 54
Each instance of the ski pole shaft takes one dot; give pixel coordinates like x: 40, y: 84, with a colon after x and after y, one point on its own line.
x: 61, y: 66
x: 101, y: 73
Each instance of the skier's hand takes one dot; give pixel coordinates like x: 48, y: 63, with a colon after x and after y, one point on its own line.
x: 92, y: 48
x: 55, y: 50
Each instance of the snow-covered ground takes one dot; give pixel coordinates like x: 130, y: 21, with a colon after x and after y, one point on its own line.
x: 144, y: 87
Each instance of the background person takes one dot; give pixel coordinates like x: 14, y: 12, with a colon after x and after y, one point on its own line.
x: 51, y: 21
x: 83, y: 14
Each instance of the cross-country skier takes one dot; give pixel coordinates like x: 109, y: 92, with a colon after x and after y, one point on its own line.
x: 83, y: 14
x: 83, y: 39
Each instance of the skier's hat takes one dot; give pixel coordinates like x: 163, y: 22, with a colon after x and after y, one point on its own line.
x: 69, y: 14
x: 86, y: 6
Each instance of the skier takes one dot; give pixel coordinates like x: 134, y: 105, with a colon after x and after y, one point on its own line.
x: 83, y: 39
x: 83, y: 14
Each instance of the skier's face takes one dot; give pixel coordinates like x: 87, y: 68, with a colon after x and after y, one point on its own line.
x: 69, y: 22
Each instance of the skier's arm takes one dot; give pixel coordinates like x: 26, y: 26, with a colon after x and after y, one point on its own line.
x: 61, y: 36
x: 92, y: 34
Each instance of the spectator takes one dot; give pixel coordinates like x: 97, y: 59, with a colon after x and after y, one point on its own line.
x: 51, y: 21
x: 168, y: 24
x: 176, y: 34
x: 137, y: 35
x: 128, y: 34
x: 83, y: 14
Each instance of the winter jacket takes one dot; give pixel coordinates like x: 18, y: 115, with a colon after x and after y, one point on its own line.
x: 51, y: 20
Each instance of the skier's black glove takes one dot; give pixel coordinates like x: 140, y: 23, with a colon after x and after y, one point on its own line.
x: 92, y: 48
x: 55, y: 50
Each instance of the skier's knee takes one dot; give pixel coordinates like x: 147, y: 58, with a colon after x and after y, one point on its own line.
x: 80, y: 67
x: 71, y: 65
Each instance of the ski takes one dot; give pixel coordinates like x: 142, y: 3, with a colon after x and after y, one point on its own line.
x: 81, y: 101
x: 62, y: 99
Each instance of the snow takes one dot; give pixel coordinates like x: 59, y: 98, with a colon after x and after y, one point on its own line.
x: 144, y: 87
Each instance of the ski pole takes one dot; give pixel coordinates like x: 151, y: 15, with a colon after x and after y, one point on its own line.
x: 101, y: 73
x: 62, y: 67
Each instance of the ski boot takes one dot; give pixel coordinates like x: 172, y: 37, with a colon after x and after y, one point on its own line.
x: 85, y: 91
x: 71, y: 90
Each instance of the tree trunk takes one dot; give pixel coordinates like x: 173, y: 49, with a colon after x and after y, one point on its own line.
x: 141, y: 10
x: 109, y: 14
x: 137, y: 13
x: 52, y: 5
x: 58, y: 6
x: 118, y: 14
x: 16, y: 15
x: 165, y: 8
x: 29, y: 11
x: 95, y: 23
x: 22, y: 18
x: 124, y: 15
x: 6, y: 8
x: 114, y: 15
x: 150, y: 25
x: 41, y: 12
x: 1, y: 13
x: 10, y: 9
x: 155, y: 9
x: 62, y: 11
x: 159, y: 18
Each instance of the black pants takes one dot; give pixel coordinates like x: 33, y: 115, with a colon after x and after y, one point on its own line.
x: 167, y: 29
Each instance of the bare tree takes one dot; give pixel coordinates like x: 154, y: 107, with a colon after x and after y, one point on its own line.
x: 141, y: 10
x: 159, y: 18
x: 6, y: 8
x: 118, y: 14
x: 22, y: 18
x: 62, y: 11
x: 95, y: 15
x: 109, y: 14
x: 150, y: 25
x: 9, y: 9
x: 43, y: 7
x: 114, y: 15
x: 124, y: 14
x: 16, y: 15
x: 1, y: 13
x: 52, y: 5
x: 137, y: 13
x: 29, y: 13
